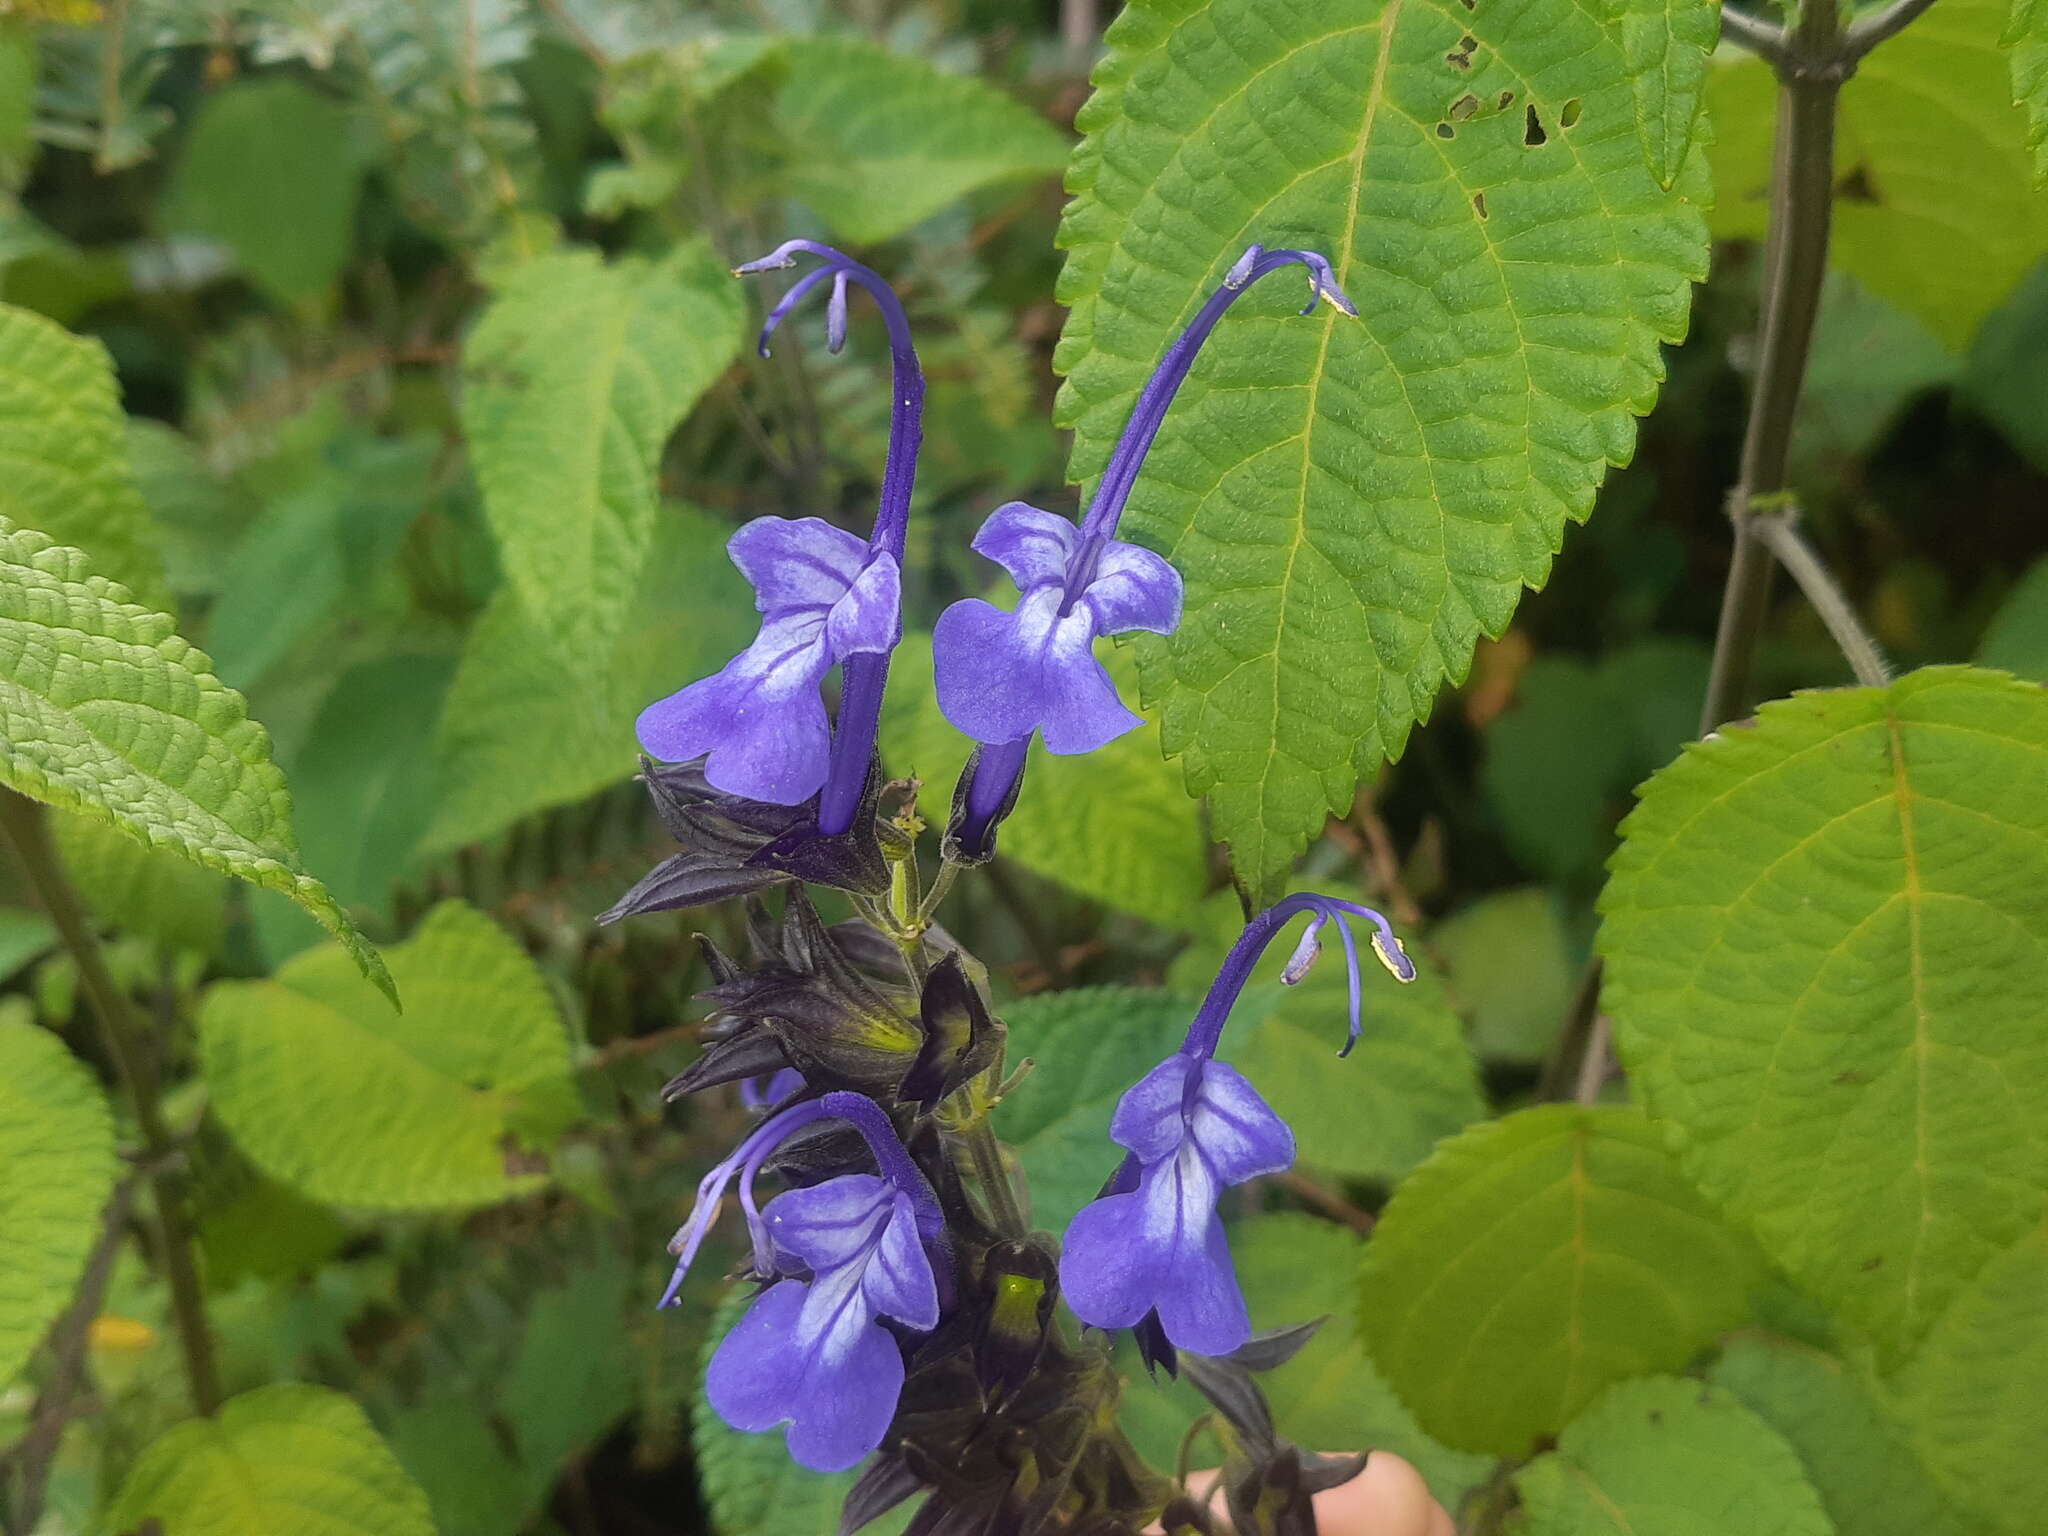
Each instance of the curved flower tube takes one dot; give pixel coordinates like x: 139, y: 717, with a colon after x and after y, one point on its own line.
x: 1003, y: 676
x: 844, y: 1253
x: 826, y: 598
x: 1151, y: 1246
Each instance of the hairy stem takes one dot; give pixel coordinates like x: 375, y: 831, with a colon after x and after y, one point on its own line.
x: 129, y: 1050
x: 1779, y: 532
x: 994, y: 1178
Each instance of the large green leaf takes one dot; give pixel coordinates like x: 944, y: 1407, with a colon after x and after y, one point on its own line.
x: 1112, y: 825
x: 2016, y: 639
x: 354, y: 1105
x: 1976, y: 1396
x: 2026, y: 43
x: 1856, y: 1455
x: 1667, y: 43
x: 1329, y: 1397
x: 1088, y: 1044
x: 1353, y: 503
x: 57, y: 1144
x: 1510, y: 966
x: 882, y: 140
x: 106, y: 711
x: 286, y: 1461
x: 1537, y: 1259
x: 1825, y: 939
x: 572, y: 382
x: 524, y: 729
x: 1662, y: 1457
x: 63, y: 451
x: 270, y: 169
x: 1938, y: 211
x: 142, y: 890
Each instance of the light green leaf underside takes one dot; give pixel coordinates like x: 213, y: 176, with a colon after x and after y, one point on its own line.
x: 284, y: 1460
x: 64, y: 453
x: 1826, y: 940
x: 1662, y: 1457
x: 1354, y: 502
x: 1112, y: 825
x: 751, y: 1485
x: 1089, y: 1045
x: 1976, y: 1396
x: 1666, y: 43
x: 1536, y: 1259
x: 1856, y: 1456
x: 353, y: 1105
x: 1295, y: 1268
x: 885, y: 140
x: 1940, y: 214
x: 524, y: 730
x: 106, y: 711
x: 2026, y: 44
x: 57, y: 1145
x: 147, y: 891
x: 572, y: 382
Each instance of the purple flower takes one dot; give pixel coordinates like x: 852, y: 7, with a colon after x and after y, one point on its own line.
x: 769, y: 1089
x: 844, y: 1253
x: 1003, y: 676
x: 1152, y: 1245
x: 826, y: 598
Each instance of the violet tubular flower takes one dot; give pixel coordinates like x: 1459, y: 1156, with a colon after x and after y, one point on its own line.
x: 1004, y: 676
x: 826, y: 598
x: 842, y: 1254
x: 1150, y: 1251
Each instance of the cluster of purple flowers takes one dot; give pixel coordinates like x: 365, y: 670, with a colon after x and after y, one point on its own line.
x: 895, y: 1313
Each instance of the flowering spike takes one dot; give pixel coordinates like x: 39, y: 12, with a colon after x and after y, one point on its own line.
x: 1003, y: 676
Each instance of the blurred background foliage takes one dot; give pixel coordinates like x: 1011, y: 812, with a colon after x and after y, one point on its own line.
x: 325, y: 245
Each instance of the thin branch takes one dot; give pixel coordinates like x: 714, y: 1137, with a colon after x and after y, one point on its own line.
x: 1598, y: 1062
x: 1322, y: 1198
x: 1766, y: 41
x: 1866, y: 32
x: 128, y: 1047
x: 1565, y: 1064
x: 1780, y: 533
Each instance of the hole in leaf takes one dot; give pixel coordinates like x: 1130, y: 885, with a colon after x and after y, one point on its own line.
x: 1858, y: 187
x: 1460, y: 57
x: 1532, y: 129
x: 1446, y: 131
x: 1470, y: 5
x: 1463, y: 107
x: 1479, y: 204
x: 1568, y: 114
x: 1507, y: 99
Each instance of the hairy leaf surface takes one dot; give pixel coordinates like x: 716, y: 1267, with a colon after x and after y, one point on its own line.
x: 353, y: 1105
x: 1662, y: 1457
x: 1536, y: 1259
x: 289, y: 1460
x: 572, y: 382
x: 1666, y: 43
x: 1825, y: 943
x: 2026, y: 44
x: 1353, y: 503
x: 57, y: 1144
x: 1937, y: 209
x: 106, y: 711
x: 148, y: 891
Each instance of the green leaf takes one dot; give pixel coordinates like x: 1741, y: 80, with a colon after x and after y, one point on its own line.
x: 63, y: 454
x: 573, y: 381
x: 1662, y: 1457
x: 752, y: 1486
x: 147, y: 891
x: 284, y: 1460
x: 1856, y: 1456
x: 1937, y: 211
x: 1869, y: 358
x: 572, y: 1378
x: 1824, y: 938
x: 1329, y: 1397
x: 2006, y: 377
x: 2016, y: 640
x: 882, y: 140
x: 1354, y: 502
x: 2026, y: 44
x: 1976, y: 1395
x: 1666, y: 43
x: 271, y: 170
x: 1536, y: 1259
x: 354, y: 1105
x: 1510, y: 970
x: 17, y: 100
x: 1089, y: 1045
x: 513, y: 690
x: 57, y: 1143
x: 1113, y: 825
x: 108, y: 712
x: 23, y: 936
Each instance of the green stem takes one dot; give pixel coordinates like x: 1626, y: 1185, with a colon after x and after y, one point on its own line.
x: 1780, y: 533
x: 994, y: 1179
x: 128, y: 1049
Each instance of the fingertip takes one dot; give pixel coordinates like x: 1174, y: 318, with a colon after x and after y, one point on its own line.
x: 1389, y: 1498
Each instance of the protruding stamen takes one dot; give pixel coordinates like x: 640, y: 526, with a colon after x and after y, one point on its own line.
x: 835, y: 315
